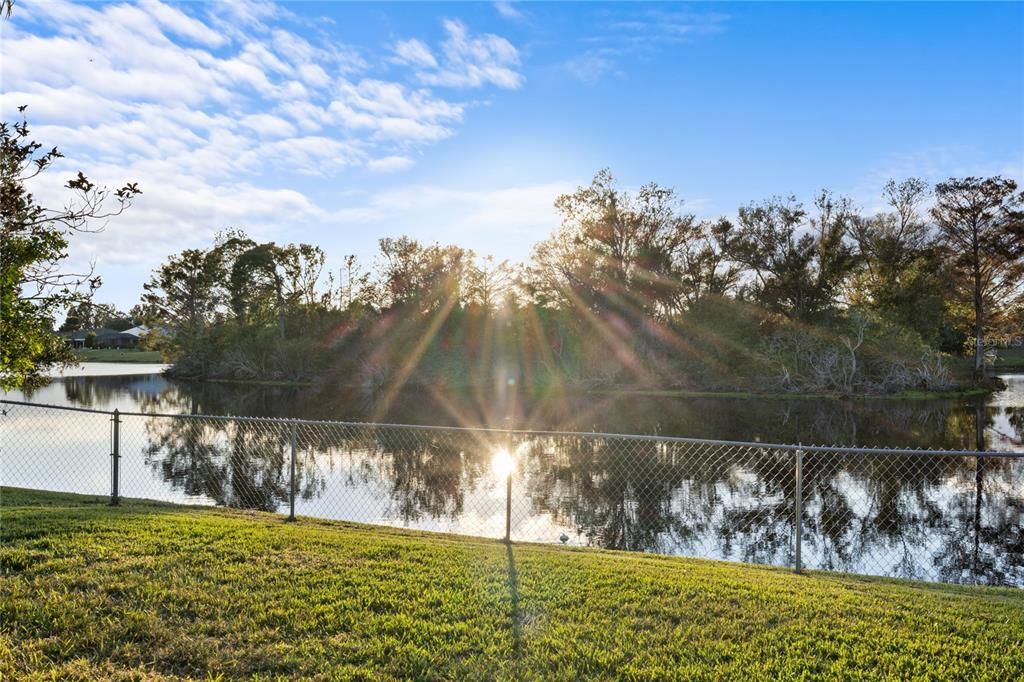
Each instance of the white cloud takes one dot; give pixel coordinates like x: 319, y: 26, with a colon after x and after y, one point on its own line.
x: 414, y: 52
x: 188, y: 214
x: 666, y: 25
x: 590, y: 66
x: 269, y: 125
x: 940, y: 162
x: 393, y: 99
x: 467, y: 61
x: 183, y: 25
x: 314, y: 74
x: 408, y: 129
x: 218, y: 111
x: 389, y: 164
x: 393, y: 111
x: 236, y: 16
x: 932, y: 164
x: 312, y: 155
x: 508, y: 10
x: 639, y: 29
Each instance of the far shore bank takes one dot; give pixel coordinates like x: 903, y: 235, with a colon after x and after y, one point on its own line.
x: 625, y: 391
x: 127, y: 355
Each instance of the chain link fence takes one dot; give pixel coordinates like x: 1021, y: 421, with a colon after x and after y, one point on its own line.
x: 951, y: 516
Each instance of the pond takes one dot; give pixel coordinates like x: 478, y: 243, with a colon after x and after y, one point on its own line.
x: 956, y: 519
x: 938, y: 423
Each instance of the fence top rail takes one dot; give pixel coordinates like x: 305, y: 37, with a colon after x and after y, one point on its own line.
x: 540, y: 432
x: 66, y: 408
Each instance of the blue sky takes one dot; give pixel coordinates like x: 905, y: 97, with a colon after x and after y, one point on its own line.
x: 338, y: 124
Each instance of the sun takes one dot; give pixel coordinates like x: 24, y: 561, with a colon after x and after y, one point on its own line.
x: 502, y: 463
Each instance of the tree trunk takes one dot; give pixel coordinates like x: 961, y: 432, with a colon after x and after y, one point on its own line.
x: 279, y: 285
x: 979, y: 344
x: 979, y: 466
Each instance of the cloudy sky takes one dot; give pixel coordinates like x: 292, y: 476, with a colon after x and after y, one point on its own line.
x: 338, y: 124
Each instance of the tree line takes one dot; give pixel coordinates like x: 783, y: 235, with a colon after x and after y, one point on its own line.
x: 630, y: 289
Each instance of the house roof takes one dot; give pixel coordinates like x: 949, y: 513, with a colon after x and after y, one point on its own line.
x: 106, y: 331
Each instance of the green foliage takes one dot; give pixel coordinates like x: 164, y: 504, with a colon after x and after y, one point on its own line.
x: 33, y: 285
x: 128, y: 355
x: 904, y: 276
x: 89, y: 315
x: 981, y: 220
x: 423, y: 278
x: 210, y: 593
x: 635, y: 256
x: 720, y: 346
x: 798, y: 266
x: 858, y: 353
x: 630, y: 292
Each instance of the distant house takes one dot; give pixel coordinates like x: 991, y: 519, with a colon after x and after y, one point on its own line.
x: 107, y: 338
x: 76, y: 339
x: 129, y: 338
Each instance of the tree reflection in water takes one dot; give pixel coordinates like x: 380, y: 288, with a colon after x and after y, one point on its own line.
x: 234, y: 464
x: 957, y: 519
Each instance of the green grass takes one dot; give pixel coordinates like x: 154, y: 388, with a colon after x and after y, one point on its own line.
x: 751, y: 395
x: 269, y: 382
x: 117, y: 355
x: 156, y: 592
x: 1006, y: 360
x: 1010, y: 359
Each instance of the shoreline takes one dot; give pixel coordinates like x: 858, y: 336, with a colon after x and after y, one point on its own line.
x: 626, y: 391
x: 118, y: 356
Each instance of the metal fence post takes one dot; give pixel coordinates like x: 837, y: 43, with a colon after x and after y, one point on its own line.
x: 291, y: 479
x: 115, y: 460
x: 508, y: 508
x: 798, y: 509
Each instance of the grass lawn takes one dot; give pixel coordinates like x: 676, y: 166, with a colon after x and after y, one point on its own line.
x: 155, y: 591
x: 1010, y: 359
x: 1007, y: 360
x: 117, y: 355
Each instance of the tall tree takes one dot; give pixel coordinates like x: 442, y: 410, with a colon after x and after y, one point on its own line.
x: 184, y: 293
x: 489, y: 283
x: 184, y: 296
x: 798, y: 264
x: 426, y: 278
x: 982, y: 222
x: 89, y: 315
x: 353, y: 279
x: 302, y: 265
x: 891, y: 240
x: 34, y: 282
x: 902, y: 275
x: 258, y: 285
x: 270, y: 280
x: 79, y: 317
x: 615, y: 251
x: 703, y: 266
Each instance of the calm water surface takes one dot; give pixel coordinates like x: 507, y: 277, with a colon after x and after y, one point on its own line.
x: 957, y: 519
x: 943, y: 423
